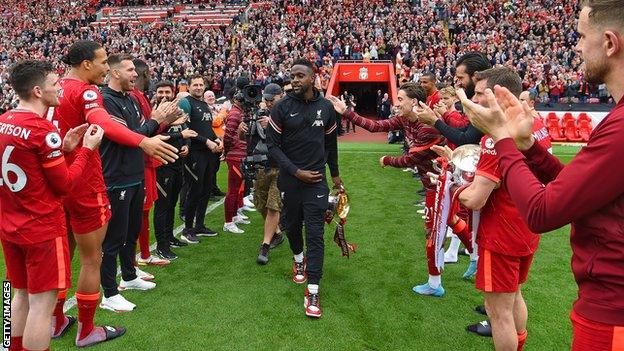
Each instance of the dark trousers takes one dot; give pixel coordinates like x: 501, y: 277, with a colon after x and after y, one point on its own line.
x: 306, y: 204
x: 121, y: 236
x: 169, y: 183
x: 199, y: 171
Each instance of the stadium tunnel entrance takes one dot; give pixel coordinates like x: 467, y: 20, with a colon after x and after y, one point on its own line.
x: 365, y: 95
x: 363, y: 80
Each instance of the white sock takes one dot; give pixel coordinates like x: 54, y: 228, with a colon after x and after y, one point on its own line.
x: 453, y: 248
x: 299, y: 258
x: 435, y: 281
x: 313, y: 288
x: 475, y: 252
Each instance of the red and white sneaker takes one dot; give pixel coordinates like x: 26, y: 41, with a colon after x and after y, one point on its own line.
x: 312, y: 304
x: 299, y: 272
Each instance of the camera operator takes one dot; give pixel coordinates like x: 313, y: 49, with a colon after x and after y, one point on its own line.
x: 267, y: 196
x: 234, y: 150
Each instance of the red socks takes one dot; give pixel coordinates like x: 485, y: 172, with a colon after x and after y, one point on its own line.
x: 59, y: 316
x: 144, y: 236
x: 461, y: 229
x: 87, y: 303
x: 521, y: 340
x: 16, y: 343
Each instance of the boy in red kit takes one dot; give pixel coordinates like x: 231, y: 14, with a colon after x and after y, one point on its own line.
x: 87, y: 205
x: 34, y: 177
x: 506, y: 245
x: 587, y: 192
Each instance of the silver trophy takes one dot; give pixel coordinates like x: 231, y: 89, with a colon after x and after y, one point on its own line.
x: 464, y: 160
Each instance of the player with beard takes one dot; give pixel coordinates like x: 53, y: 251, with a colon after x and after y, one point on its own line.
x: 34, y: 177
x: 466, y: 67
x: 302, y: 138
x: 87, y: 205
x: 169, y: 180
x: 139, y: 94
x: 124, y: 176
x: 587, y: 192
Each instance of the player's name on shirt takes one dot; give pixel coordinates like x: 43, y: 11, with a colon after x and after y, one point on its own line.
x: 16, y: 131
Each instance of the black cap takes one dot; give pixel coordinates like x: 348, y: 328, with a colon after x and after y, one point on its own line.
x: 271, y: 90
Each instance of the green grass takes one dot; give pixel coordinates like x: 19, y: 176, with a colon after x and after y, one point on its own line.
x: 215, y: 297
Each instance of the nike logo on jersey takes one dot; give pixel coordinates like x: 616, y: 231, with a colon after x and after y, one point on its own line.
x: 319, y: 196
x: 294, y: 114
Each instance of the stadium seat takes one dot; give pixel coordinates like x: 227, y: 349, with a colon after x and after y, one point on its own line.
x: 583, y: 117
x: 554, y: 130
x: 567, y: 117
x: 552, y: 116
x: 571, y: 131
x: 584, y: 129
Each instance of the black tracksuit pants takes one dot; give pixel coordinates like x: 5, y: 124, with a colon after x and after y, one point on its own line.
x: 169, y: 183
x: 306, y: 204
x: 199, y: 171
x: 121, y: 236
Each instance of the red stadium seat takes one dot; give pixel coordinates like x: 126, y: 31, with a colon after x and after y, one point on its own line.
x: 552, y: 116
x: 567, y: 117
x: 554, y: 130
x: 584, y: 129
x: 571, y: 131
x: 584, y: 117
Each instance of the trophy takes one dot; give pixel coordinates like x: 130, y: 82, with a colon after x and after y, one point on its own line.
x: 339, y: 206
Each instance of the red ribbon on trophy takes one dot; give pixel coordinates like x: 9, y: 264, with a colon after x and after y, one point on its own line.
x: 339, y: 205
x: 441, y: 210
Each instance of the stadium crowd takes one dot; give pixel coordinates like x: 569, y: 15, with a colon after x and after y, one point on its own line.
x: 431, y: 40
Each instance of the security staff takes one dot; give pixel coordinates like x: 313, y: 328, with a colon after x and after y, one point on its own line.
x: 302, y: 138
x: 200, y: 163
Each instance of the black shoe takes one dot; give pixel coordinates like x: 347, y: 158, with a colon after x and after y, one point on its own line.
x: 276, y: 240
x: 166, y: 254
x: 205, y: 231
x: 188, y: 236
x: 482, y: 328
x: 263, y: 255
x: 175, y: 242
x: 463, y: 252
x: 481, y: 310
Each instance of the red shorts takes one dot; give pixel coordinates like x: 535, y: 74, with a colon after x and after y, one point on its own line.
x: 87, y: 212
x: 151, y: 193
x: 593, y: 336
x: 38, y: 267
x: 500, y: 273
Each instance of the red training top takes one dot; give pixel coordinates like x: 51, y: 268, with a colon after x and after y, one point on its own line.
x: 588, y: 193
x: 501, y: 228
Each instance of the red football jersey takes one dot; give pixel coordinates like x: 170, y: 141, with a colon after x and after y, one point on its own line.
x: 77, y: 100
x: 433, y: 99
x: 501, y: 227
x: 31, y: 212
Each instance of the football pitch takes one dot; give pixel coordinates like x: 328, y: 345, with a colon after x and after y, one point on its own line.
x: 215, y: 296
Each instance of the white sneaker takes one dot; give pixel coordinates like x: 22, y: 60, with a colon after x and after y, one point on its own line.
x: 232, y: 228
x: 241, y: 214
x: 239, y: 220
x: 249, y: 198
x: 152, y: 261
x: 421, y: 211
x: 143, y: 275
x: 248, y: 209
x: 117, y: 303
x: 248, y: 203
x: 136, y: 284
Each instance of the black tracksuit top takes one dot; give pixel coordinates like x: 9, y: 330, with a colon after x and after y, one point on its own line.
x: 302, y: 134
